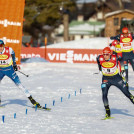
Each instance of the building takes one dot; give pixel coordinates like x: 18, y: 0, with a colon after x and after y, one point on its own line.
x: 113, y: 21
x: 85, y: 29
x: 88, y: 20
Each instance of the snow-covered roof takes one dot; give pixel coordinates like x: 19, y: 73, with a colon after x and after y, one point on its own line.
x: 117, y: 12
x: 87, y: 28
x: 86, y: 1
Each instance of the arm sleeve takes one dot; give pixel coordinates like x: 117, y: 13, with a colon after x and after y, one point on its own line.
x: 119, y: 64
x: 98, y: 62
x: 13, y: 56
x: 110, y: 44
x: 115, y: 37
x: 133, y: 36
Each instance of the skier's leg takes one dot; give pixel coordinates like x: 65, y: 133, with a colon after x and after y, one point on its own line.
x: 1, y: 77
x: 105, y: 87
x: 12, y: 75
x: 122, y: 73
x: 132, y: 63
x: 122, y: 86
x: 126, y: 72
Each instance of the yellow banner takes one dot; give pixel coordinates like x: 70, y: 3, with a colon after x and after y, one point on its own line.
x: 11, y: 23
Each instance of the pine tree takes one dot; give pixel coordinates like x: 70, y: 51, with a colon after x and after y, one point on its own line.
x: 44, y: 12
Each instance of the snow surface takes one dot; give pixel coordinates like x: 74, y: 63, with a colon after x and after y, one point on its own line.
x: 91, y: 43
x: 81, y: 114
x: 33, y: 59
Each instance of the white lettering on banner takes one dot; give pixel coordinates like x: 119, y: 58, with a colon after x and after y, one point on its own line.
x: 51, y: 57
x: 16, y: 58
x: 30, y: 55
x: 70, y: 57
x: 57, y: 56
x: 5, y: 23
x: 10, y: 40
x: 85, y: 57
x: 77, y: 57
x: 62, y: 56
x: 93, y: 57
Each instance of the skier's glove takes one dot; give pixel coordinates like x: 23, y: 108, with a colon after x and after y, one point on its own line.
x: 15, y: 67
x: 119, y: 58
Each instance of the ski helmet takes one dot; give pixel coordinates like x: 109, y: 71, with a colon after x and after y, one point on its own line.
x: 124, y: 30
x: 107, y: 50
x: 1, y: 43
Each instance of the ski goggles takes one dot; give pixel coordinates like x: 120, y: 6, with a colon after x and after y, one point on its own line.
x: 1, y: 45
x: 106, y: 54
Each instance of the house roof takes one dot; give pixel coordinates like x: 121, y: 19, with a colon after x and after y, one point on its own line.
x: 111, y: 4
x: 117, y: 12
x: 114, y: 4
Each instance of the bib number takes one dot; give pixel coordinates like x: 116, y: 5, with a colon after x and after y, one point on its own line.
x: 109, y: 70
x: 3, y: 62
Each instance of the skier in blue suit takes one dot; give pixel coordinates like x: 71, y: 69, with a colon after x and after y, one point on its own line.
x: 8, y: 67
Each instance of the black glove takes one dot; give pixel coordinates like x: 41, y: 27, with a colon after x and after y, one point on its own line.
x: 15, y: 67
x: 119, y: 58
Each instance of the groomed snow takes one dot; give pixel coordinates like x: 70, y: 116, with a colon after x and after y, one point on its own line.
x: 81, y: 114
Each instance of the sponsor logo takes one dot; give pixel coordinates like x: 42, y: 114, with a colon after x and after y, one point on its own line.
x: 71, y: 57
x: 3, y: 57
x: 10, y: 40
x: 6, y: 23
x: 23, y: 56
x: 127, y: 44
x: 126, y: 40
x: 118, y: 46
x: 107, y: 64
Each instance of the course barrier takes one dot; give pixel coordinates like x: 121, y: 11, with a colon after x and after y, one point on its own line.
x: 62, y: 54
x: 26, y: 111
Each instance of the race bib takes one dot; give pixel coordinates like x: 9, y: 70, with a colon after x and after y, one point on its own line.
x: 109, y: 70
x: 3, y: 62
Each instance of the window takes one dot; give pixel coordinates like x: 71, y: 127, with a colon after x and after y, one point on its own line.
x: 116, y: 21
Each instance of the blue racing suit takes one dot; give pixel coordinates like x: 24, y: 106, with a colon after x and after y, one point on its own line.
x: 7, y: 61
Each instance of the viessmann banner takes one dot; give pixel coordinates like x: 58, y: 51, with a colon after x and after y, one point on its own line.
x: 11, y: 22
x: 62, y: 55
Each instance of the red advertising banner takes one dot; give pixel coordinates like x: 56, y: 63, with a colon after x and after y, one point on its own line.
x: 62, y: 55
x: 11, y: 22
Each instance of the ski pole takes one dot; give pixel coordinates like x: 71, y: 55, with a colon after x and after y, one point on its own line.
x: 95, y: 73
x: 23, y: 73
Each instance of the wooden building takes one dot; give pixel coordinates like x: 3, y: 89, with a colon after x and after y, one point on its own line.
x: 113, y: 21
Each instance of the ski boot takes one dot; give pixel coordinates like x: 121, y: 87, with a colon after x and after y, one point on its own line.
x: 127, y: 85
x: 132, y: 98
x: 123, y: 75
x: 108, y: 113
x: 36, y: 104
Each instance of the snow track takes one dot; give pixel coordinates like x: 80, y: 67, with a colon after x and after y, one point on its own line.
x: 81, y: 114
